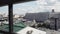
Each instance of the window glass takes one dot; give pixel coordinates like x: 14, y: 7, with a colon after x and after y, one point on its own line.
x: 4, y: 18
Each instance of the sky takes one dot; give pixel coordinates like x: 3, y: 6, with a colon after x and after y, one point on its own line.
x: 33, y: 7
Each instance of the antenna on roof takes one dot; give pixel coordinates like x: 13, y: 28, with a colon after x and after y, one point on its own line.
x: 53, y: 11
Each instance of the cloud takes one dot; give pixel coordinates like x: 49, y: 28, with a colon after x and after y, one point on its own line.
x: 57, y: 7
x: 41, y: 2
x: 46, y: 2
x: 36, y: 6
x: 58, y: 0
x: 49, y: 5
x: 4, y: 9
x: 53, y: 0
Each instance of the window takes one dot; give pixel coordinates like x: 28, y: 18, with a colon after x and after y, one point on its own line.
x: 4, y: 18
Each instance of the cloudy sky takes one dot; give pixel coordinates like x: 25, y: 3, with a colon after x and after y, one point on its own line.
x: 33, y: 7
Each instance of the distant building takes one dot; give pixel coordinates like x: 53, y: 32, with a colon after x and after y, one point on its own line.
x: 39, y: 17
x: 52, y: 21
x: 52, y: 17
x: 30, y: 23
x: 43, y: 16
x: 1, y: 17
